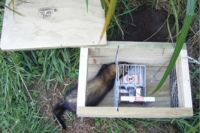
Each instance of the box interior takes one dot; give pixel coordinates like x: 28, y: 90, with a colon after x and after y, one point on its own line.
x: 154, y: 60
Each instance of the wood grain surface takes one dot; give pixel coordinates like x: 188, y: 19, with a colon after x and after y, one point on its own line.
x: 52, y: 24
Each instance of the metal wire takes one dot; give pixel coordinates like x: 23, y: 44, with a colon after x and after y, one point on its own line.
x: 173, y: 89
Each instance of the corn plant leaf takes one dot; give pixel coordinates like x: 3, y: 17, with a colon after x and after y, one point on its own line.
x: 109, y: 15
x: 180, y: 42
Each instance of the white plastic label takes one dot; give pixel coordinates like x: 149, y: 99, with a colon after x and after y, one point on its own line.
x: 130, y: 79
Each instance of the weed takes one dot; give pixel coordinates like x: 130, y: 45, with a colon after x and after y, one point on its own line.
x: 20, y: 113
x: 123, y: 7
x: 72, y: 116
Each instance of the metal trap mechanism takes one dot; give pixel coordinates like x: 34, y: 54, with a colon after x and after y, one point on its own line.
x: 131, y: 86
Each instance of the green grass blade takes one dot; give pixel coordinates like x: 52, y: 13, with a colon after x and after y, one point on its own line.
x: 128, y: 10
x: 194, y: 128
x: 180, y: 41
x: 86, y: 1
x: 103, y: 4
x: 12, y: 9
x: 176, y: 17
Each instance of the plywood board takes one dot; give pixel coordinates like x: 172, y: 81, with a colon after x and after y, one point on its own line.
x: 82, y: 81
x: 150, y: 54
x: 134, y: 112
x: 183, y: 79
x: 52, y: 24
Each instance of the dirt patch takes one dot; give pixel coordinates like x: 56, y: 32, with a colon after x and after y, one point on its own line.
x: 48, y: 98
x: 81, y: 125
x: 146, y: 24
x: 158, y: 127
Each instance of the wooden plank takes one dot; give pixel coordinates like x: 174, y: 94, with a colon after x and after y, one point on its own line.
x: 82, y: 80
x: 134, y: 112
x: 138, y: 45
x: 130, y: 51
x: 68, y: 24
x: 161, y: 101
x: 159, y: 53
x: 183, y: 80
x: 151, y: 70
x: 155, y: 60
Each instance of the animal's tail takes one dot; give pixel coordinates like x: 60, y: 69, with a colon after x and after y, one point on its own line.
x: 59, y: 110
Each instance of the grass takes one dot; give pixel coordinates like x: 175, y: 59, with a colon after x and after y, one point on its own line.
x: 183, y: 124
x: 18, y: 70
x: 124, y: 7
x: 21, y: 109
x: 180, y: 39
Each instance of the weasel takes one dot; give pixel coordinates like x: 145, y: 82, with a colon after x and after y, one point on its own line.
x: 96, y: 90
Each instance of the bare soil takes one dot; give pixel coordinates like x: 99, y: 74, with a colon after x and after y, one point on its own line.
x: 147, y: 24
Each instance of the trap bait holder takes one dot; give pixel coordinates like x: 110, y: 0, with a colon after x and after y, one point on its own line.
x: 131, y: 86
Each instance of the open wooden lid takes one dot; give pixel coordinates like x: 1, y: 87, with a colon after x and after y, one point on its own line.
x: 52, y: 24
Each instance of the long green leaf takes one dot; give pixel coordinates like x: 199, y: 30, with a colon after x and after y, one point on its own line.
x: 103, y: 4
x: 180, y: 41
x: 176, y: 17
x: 12, y: 9
x: 86, y: 1
x: 194, y: 128
x: 109, y: 15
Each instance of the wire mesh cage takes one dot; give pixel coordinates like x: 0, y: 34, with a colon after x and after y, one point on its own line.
x: 133, y: 79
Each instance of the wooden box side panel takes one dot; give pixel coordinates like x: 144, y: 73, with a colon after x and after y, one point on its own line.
x: 134, y: 112
x: 150, y: 54
x: 153, y: 55
x: 82, y: 81
x: 183, y: 80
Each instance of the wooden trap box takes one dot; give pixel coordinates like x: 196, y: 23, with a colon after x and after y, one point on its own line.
x: 153, y: 55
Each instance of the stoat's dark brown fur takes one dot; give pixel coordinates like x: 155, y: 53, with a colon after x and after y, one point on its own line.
x: 96, y: 90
